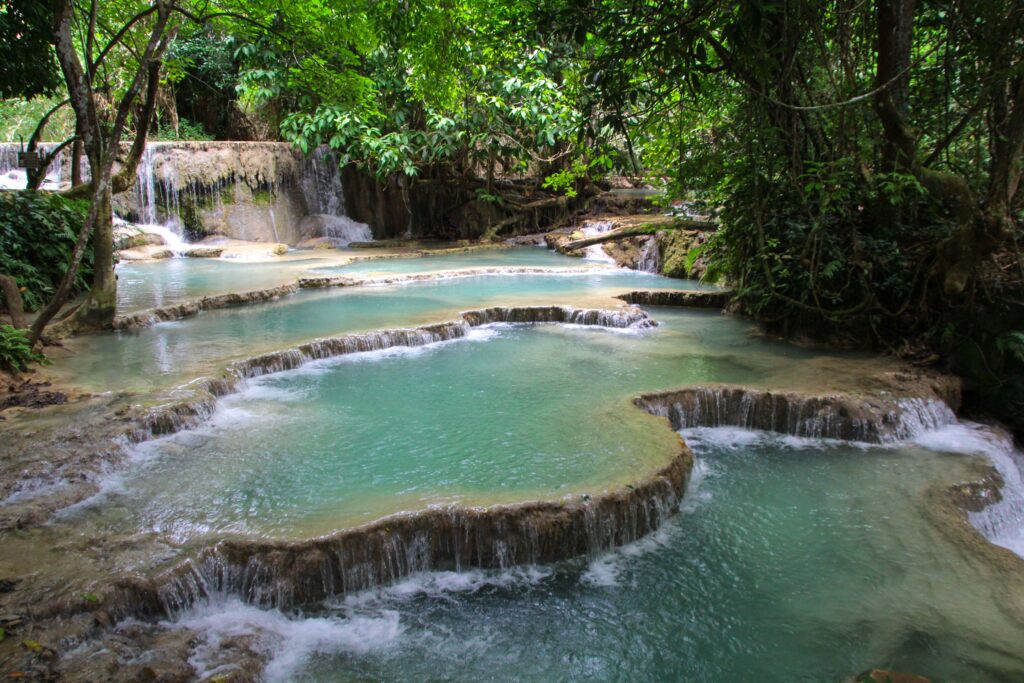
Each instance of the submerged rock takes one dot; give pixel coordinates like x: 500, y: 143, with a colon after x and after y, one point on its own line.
x: 885, y: 676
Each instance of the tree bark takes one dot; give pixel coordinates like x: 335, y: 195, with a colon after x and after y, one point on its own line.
x: 12, y: 295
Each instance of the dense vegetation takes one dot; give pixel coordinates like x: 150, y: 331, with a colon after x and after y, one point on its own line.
x: 862, y: 159
x: 37, y: 234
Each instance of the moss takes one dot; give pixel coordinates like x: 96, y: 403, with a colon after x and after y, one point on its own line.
x: 676, y: 246
x: 262, y: 197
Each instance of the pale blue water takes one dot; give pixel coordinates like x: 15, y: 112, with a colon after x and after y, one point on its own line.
x: 791, y: 561
x: 540, y: 257
x: 789, y: 564
x: 174, y: 352
x: 513, y: 413
x: 171, y: 281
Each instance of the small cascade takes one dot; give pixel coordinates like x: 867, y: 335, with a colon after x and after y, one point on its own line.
x: 630, y: 317
x: 996, y: 508
x: 875, y: 419
x: 321, y: 183
x: 1003, y: 522
x: 596, y: 252
x: 650, y: 256
x: 150, y: 191
x: 286, y: 575
x: 14, y: 178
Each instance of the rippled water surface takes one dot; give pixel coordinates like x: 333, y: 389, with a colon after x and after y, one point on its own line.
x: 173, y: 352
x: 171, y: 281
x: 540, y: 257
x: 791, y: 561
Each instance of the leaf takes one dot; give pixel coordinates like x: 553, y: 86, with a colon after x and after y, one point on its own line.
x: 32, y: 645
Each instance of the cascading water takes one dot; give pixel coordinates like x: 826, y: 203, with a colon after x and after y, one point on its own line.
x: 596, y: 252
x: 321, y: 183
x: 1002, y: 521
x: 147, y: 188
x: 14, y: 178
x: 325, y: 199
x: 650, y: 256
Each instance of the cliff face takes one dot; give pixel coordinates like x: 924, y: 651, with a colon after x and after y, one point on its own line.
x: 243, y: 190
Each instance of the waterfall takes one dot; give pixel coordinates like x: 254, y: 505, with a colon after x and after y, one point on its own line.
x: 321, y: 183
x: 14, y: 178
x: 1003, y: 522
x: 876, y: 419
x: 149, y: 191
x: 596, y: 252
x: 650, y: 256
x: 325, y: 201
x: 997, y: 512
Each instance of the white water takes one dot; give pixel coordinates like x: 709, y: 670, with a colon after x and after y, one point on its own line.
x: 286, y: 643
x: 321, y: 183
x: 650, y: 258
x: 170, y: 230
x: 596, y: 252
x: 1002, y: 523
x: 14, y: 178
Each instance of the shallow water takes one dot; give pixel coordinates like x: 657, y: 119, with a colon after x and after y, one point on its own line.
x: 170, y: 281
x: 513, y: 413
x: 791, y: 561
x: 481, y: 258
x: 170, y: 353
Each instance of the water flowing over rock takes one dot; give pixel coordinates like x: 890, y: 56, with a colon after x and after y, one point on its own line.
x: 246, y: 190
x: 650, y: 256
x: 875, y: 418
x: 256, y: 191
x: 186, y: 413
x: 321, y: 183
x: 14, y: 178
x: 685, y: 298
x: 290, y: 574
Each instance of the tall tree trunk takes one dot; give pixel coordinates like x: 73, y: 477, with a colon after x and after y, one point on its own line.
x: 101, y: 303
x: 76, y: 163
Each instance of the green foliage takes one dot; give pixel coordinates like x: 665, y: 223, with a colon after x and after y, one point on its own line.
x: 16, y: 354
x: 187, y: 130
x: 37, y: 234
x: 28, y: 67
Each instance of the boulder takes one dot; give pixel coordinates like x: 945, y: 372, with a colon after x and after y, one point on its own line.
x: 147, y: 253
x: 204, y: 252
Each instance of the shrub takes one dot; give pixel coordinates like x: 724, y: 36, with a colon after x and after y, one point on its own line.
x: 37, y: 234
x: 15, y: 351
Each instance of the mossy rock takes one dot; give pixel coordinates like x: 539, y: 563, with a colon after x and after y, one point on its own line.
x: 676, y: 246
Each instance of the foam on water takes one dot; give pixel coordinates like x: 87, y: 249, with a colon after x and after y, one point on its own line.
x: 1002, y: 523
x: 287, y: 643
x: 172, y: 240
x: 596, y: 252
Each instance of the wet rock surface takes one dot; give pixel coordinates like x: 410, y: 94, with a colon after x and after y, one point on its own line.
x: 690, y: 299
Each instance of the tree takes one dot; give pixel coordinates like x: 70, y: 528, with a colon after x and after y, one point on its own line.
x: 101, y: 135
